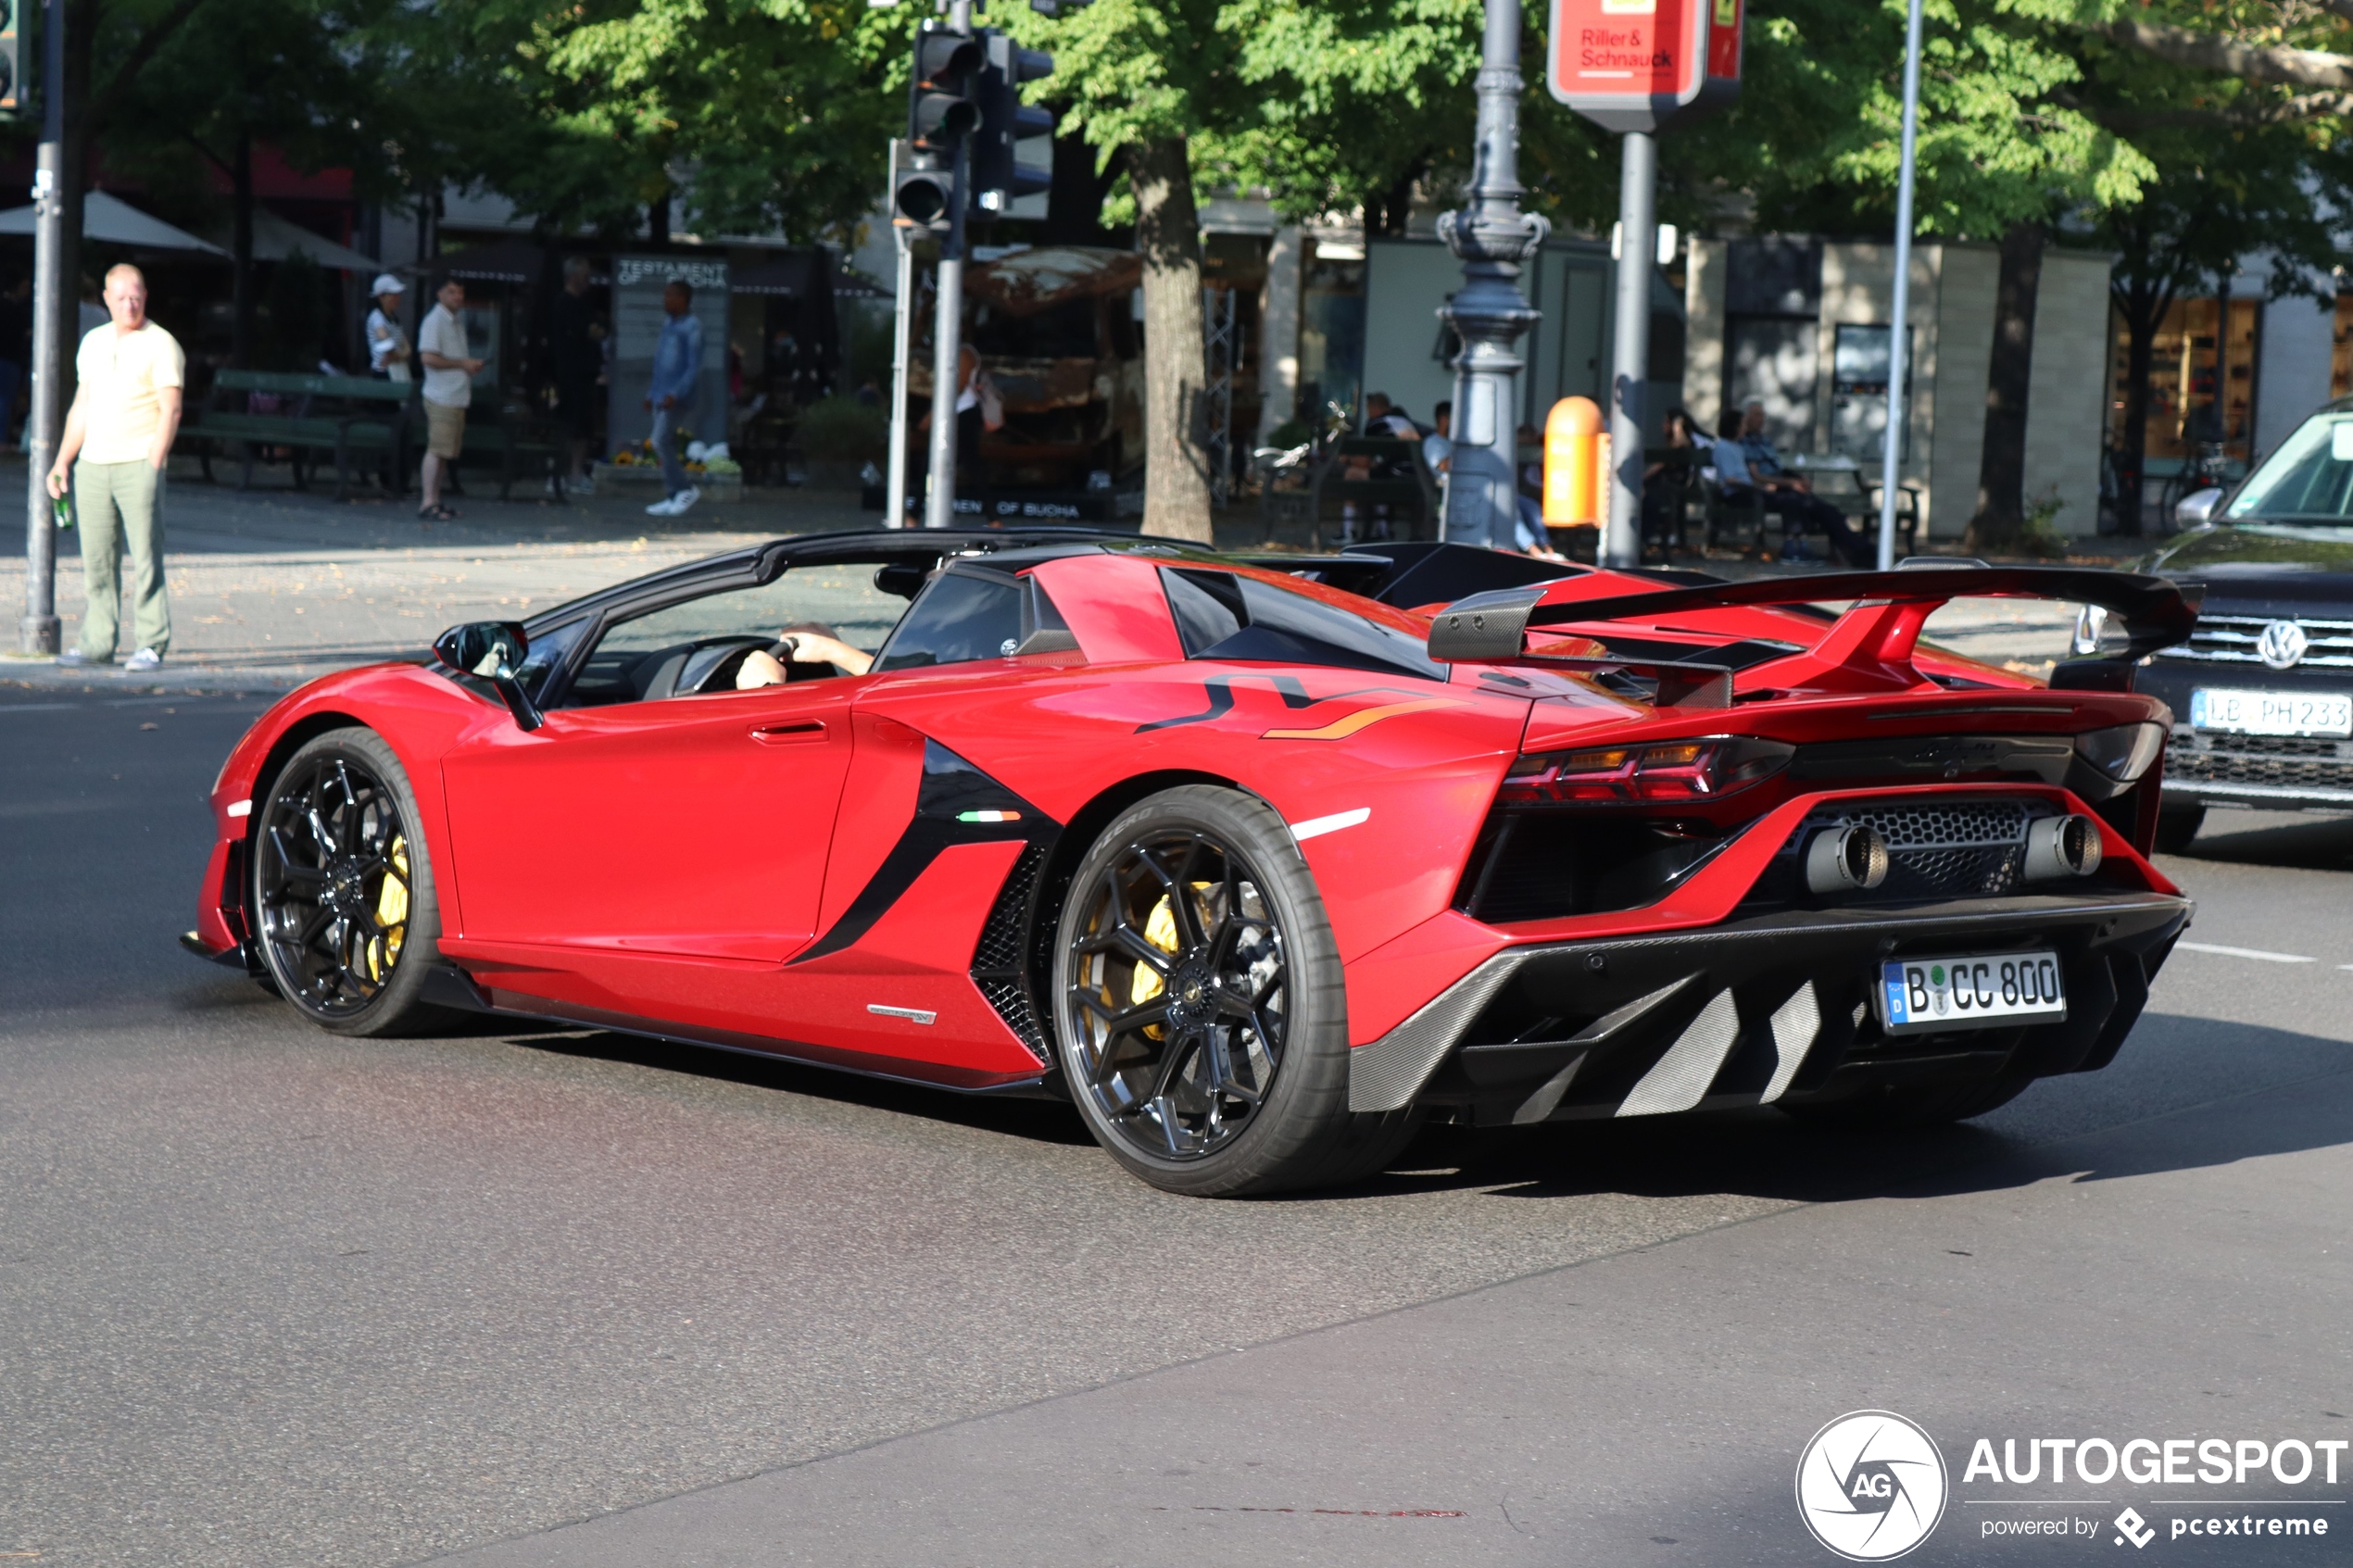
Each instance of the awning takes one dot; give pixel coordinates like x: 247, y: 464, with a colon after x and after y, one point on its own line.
x: 790, y: 274
x: 115, y: 221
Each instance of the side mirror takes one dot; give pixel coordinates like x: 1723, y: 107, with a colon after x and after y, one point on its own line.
x: 2197, y: 508
x: 493, y: 650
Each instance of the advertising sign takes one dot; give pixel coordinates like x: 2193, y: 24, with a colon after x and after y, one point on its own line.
x: 637, y: 285
x: 1635, y: 64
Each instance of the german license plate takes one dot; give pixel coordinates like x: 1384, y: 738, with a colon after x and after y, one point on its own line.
x: 2272, y: 713
x: 1930, y: 996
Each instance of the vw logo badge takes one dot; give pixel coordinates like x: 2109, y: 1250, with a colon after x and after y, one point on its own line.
x: 1871, y: 1485
x: 2281, y: 644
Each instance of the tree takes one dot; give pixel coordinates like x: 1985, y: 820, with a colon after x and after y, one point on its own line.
x: 291, y: 75
x: 1814, y: 144
x: 1321, y: 103
x: 722, y: 115
x: 126, y: 34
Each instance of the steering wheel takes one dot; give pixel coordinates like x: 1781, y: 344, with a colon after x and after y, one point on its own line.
x: 725, y: 660
x: 712, y: 666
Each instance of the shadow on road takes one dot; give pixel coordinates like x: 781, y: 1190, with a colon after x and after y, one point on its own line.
x: 2275, y: 838
x: 1756, y: 1153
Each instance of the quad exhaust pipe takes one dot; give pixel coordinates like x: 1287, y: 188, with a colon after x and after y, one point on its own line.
x: 1844, y: 859
x: 1854, y: 858
x: 2061, y: 846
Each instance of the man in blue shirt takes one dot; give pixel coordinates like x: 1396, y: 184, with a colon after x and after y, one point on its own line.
x: 677, y: 372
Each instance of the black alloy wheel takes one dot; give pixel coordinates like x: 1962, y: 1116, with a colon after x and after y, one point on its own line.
x: 1178, y: 994
x: 1201, y: 1018
x: 342, y: 899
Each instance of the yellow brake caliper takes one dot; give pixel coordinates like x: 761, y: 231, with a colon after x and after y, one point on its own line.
x: 1160, y: 930
x: 392, y: 913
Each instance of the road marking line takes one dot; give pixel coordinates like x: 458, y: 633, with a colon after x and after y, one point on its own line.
x: 2249, y: 953
x: 1316, y: 827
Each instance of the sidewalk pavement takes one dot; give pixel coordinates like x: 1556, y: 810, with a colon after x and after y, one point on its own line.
x: 272, y: 587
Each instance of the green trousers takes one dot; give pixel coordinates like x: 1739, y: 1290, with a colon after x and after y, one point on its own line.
x: 118, y: 506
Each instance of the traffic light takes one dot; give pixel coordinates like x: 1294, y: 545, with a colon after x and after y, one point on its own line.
x: 943, y: 110
x: 943, y: 104
x: 923, y: 196
x: 1001, y: 175
x: 16, y: 60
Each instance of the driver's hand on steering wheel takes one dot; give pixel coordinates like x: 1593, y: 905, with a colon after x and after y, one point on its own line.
x: 758, y: 669
x: 808, y: 646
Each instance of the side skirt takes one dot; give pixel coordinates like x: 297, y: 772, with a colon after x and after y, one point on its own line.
x: 452, y: 987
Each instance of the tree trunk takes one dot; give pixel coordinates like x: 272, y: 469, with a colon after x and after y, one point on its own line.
x: 241, y: 255
x: 657, y: 220
x: 2001, y: 469
x: 1175, y: 374
x: 2142, y: 308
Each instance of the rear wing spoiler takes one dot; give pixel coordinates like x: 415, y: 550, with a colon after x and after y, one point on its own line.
x: 1879, y: 629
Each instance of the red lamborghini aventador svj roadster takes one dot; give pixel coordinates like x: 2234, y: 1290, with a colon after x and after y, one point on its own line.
x: 1260, y: 862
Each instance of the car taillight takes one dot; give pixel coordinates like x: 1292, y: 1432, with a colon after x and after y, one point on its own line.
x: 1668, y: 770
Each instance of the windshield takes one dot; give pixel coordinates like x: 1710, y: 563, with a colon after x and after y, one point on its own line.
x: 2309, y: 479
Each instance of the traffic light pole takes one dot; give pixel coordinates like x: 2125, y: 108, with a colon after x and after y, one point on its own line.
x: 947, y: 349
x: 41, y: 627
x: 1630, y: 350
x: 1488, y: 312
x: 947, y: 325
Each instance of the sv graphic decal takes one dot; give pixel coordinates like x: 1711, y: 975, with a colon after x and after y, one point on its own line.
x: 1219, y: 689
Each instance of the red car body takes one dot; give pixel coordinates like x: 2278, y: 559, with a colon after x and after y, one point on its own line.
x: 861, y: 871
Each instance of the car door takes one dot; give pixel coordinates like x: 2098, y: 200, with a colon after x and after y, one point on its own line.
x: 695, y: 826
x: 648, y: 822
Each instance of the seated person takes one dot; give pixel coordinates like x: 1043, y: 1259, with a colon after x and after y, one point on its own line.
x: 1764, y: 457
x: 806, y: 644
x: 1785, y: 501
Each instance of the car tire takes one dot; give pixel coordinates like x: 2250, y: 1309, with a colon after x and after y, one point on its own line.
x: 1200, y: 1016
x: 2176, y: 826
x: 1914, y: 1105
x: 339, y: 889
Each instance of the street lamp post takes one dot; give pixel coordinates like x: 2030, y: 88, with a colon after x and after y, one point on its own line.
x: 1488, y: 313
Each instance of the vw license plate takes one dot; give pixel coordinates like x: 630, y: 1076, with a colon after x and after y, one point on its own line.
x: 2272, y: 713
x: 1930, y: 996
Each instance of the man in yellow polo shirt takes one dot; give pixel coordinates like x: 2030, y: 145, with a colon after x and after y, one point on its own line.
x: 125, y: 413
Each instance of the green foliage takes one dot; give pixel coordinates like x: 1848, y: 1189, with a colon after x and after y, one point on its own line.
x: 842, y: 430
x: 1815, y: 138
x: 2042, y: 536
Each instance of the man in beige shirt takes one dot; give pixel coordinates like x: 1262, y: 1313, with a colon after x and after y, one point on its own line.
x: 125, y: 413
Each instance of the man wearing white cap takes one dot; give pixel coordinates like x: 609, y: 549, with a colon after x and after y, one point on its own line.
x: 387, y: 345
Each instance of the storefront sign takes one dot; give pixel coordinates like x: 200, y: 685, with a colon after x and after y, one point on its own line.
x: 1635, y: 64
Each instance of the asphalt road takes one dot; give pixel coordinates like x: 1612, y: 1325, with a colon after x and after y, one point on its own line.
x: 272, y: 1297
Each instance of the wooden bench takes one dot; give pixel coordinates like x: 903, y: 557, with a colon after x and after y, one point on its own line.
x: 342, y: 416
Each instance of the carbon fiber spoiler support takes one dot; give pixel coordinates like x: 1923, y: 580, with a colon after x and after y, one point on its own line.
x: 1492, y: 628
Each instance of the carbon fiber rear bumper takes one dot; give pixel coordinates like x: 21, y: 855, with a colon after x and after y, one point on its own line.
x: 1775, y: 1008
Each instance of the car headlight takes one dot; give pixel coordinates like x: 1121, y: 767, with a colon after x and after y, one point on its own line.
x: 2124, y: 752
x: 2090, y: 623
